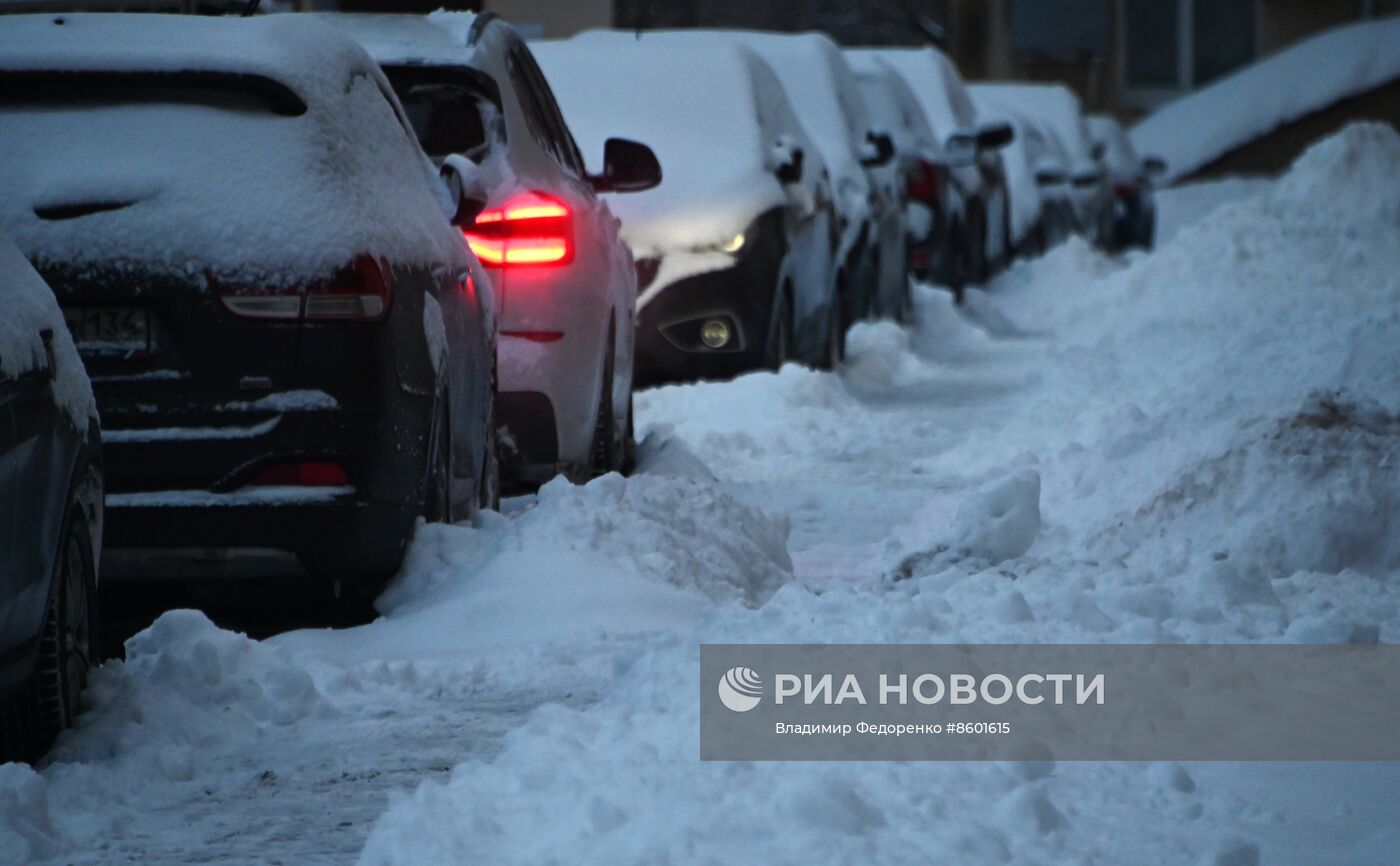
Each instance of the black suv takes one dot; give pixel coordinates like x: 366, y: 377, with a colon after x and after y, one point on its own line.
x: 291, y: 345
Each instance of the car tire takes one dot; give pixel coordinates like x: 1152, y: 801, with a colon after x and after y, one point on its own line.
x: 437, y: 506
x: 605, y: 445
x: 629, y: 442
x: 488, y: 484
x: 834, y: 352
x: 779, y: 347
x: 53, y: 697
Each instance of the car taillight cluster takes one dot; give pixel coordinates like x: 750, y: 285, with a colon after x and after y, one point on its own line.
x: 924, y: 182
x: 531, y: 229
x: 359, y: 293
x: 308, y: 473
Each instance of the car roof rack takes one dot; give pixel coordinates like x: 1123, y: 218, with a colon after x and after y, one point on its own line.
x: 188, y: 7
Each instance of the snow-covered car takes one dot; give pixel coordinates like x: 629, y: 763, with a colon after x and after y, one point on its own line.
x: 972, y: 144
x: 735, y: 247
x: 1052, y: 162
x: 918, y: 176
x: 291, y: 346
x: 1134, y: 202
x: 564, y: 279
x: 822, y: 90
x: 50, y: 515
x: 1057, y: 111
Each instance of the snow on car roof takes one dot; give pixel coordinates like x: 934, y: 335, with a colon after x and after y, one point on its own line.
x: 698, y: 108
x: 892, y: 103
x: 30, y: 308
x: 935, y: 82
x: 438, y: 38
x: 1199, y: 127
x: 820, y: 87
x: 1058, y: 109
x: 248, y: 148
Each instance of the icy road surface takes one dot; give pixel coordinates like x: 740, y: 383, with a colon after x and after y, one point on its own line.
x: 1201, y: 444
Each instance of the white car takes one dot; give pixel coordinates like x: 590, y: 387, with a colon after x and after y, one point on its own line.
x: 822, y: 89
x: 735, y: 247
x: 1057, y: 111
x: 564, y: 280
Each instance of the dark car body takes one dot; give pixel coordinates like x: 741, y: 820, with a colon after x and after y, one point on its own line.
x: 1132, y: 177
x: 50, y: 512
x: 290, y: 344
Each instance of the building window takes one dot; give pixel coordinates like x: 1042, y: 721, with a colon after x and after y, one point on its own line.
x: 1150, y: 47
x: 1059, y: 29
x: 1223, y: 36
x: 1170, y: 46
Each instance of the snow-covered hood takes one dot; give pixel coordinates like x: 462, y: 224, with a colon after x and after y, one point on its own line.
x: 695, y: 109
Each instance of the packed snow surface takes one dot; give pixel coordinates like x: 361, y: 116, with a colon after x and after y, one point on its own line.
x: 1200, y: 444
x: 212, y: 176
x: 30, y: 309
x: 1309, y: 76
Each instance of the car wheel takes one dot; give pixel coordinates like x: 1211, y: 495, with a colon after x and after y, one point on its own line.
x: 629, y: 442
x: 488, y: 485
x: 835, y: 351
x: 54, y: 694
x: 778, y: 351
x: 605, y: 443
x: 437, y: 506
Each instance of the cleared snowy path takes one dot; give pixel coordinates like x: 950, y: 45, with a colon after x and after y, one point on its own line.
x: 1197, y: 445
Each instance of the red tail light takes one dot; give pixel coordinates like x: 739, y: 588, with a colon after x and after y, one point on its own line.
x: 529, y: 229
x: 314, y: 473
x: 358, y: 293
x: 1125, y: 191
x: 924, y: 182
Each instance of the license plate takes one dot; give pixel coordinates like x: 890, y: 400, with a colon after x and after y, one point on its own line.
x: 110, y: 331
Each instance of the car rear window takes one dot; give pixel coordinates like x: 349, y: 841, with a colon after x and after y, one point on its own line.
x: 230, y: 91
x: 446, y: 118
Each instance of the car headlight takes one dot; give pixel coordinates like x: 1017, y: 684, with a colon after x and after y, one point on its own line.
x: 734, y: 244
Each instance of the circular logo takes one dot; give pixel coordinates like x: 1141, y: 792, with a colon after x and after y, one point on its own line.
x: 740, y: 689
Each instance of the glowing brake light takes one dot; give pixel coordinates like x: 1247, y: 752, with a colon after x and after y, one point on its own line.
x: 529, y: 229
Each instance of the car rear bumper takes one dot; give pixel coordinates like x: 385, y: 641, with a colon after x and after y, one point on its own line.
x: 565, y: 373
x: 323, y: 532
x: 189, y: 487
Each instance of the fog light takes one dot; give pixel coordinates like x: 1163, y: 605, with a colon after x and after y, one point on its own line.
x: 715, y: 333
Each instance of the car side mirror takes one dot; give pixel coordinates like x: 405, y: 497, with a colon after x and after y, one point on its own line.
x: 877, y: 150
x: 465, y: 188
x: 1049, y: 176
x: 1154, y: 167
x: 788, y: 160
x: 961, y: 148
x: 628, y: 166
x: 995, y: 136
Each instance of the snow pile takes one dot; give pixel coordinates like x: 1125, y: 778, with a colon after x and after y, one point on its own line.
x: 30, y: 308
x: 687, y: 103
x: 1205, y: 450
x: 615, y: 557
x: 1349, y: 177
x: 1309, y: 76
x: 26, y: 826
x: 212, y: 179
